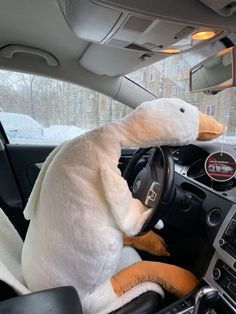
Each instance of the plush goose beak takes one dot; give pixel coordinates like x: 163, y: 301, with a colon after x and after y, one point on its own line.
x: 209, y: 128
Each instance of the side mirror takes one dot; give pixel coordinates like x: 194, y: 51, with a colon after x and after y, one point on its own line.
x: 215, y: 73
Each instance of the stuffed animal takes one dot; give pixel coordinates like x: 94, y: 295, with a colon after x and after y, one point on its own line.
x: 81, y: 208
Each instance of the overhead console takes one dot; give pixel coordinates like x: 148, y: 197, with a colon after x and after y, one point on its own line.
x: 147, y: 30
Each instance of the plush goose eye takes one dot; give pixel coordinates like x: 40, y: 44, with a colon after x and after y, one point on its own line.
x: 182, y: 109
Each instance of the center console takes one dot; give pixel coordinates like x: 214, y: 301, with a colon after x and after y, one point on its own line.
x: 221, y: 272
x: 216, y: 292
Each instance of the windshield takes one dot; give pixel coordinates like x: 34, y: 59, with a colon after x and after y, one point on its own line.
x: 170, y: 78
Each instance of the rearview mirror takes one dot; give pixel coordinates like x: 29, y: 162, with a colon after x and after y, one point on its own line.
x: 215, y: 73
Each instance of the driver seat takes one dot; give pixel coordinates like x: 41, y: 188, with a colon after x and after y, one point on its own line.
x: 12, y: 284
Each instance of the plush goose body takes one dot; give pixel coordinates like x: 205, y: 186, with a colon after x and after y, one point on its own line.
x: 81, y: 207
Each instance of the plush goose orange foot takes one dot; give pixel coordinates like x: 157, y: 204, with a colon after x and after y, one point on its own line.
x: 150, y: 242
x: 208, y: 128
x: 174, y: 279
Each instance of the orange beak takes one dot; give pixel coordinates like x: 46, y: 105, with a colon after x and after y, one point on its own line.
x: 209, y: 128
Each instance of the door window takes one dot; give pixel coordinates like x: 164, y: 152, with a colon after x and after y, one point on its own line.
x: 36, y: 109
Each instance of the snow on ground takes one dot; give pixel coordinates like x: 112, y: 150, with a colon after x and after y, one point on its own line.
x: 61, y: 133
x: 18, y: 121
x: 22, y: 129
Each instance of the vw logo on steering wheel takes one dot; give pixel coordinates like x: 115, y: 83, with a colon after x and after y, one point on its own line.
x: 136, y: 185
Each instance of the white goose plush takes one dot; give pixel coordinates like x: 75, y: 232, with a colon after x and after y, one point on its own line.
x: 81, y: 208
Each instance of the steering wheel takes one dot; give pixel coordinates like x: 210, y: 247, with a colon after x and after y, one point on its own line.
x: 153, y: 185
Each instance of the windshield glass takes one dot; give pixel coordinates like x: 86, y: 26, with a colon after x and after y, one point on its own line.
x: 170, y: 78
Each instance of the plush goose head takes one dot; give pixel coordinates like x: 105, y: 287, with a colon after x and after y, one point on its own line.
x: 167, y: 121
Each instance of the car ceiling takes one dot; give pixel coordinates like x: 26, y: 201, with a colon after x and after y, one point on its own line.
x: 45, y: 25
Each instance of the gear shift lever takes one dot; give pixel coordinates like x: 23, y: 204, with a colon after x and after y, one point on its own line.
x: 205, y: 299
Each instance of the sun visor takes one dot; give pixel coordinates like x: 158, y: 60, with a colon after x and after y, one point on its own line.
x: 112, y: 61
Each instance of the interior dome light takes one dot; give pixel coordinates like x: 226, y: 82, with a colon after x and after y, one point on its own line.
x: 203, y: 35
x: 171, y: 50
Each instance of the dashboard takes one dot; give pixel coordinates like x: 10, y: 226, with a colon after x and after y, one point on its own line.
x: 200, y: 226
x: 218, y: 211
x: 190, y: 162
x: 215, y: 198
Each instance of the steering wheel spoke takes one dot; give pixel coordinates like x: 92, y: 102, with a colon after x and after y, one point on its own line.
x: 153, y: 195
